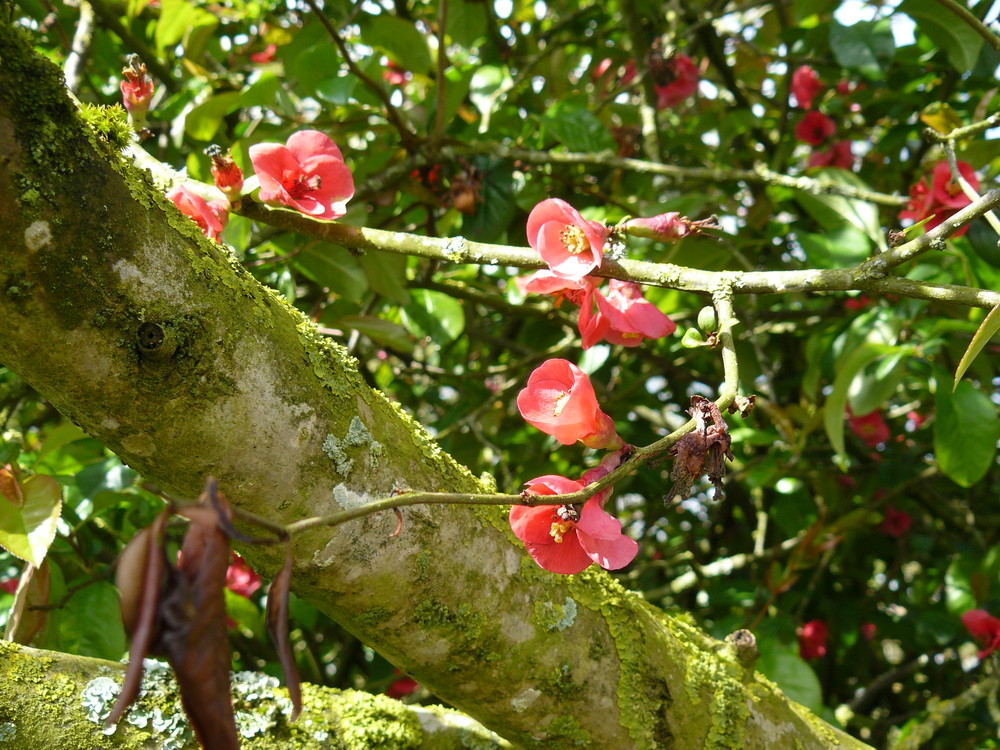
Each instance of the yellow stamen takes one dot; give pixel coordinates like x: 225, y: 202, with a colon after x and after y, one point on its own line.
x: 558, y: 529
x: 559, y: 404
x: 574, y: 240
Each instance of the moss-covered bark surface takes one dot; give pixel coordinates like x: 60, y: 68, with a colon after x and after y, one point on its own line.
x: 156, y: 342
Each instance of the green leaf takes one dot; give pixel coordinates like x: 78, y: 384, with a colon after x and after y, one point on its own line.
x: 792, y: 674
x: 400, y: 40
x: 873, y: 386
x: 89, y: 624
x: 203, y: 121
x: 379, y: 330
x: 434, y: 314
x: 850, y: 365
x: 965, y: 433
x: 867, y: 47
x: 466, y: 22
x: 487, y: 82
x: 959, y: 41
x: 841, y: 246
x: 181, y: 21
x: 496, y: 207
x: 29, y: 530
x: 986, y: 331
x: 386, y: 275
x: 577, y: 128
x: 333, y: 268
x: 245, y: 613
x: 833, y: 212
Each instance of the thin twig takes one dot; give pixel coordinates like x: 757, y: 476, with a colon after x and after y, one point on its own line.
x: 972, y: 22
x: 73, y: 69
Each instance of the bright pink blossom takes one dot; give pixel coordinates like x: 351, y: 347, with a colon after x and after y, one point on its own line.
x: 943, y: 199
x: 812, y: 639
x: 227, y: 175
x: 985, y: 628
x: 560, y: 401
x: 137, y: 89
x: 308, y: 174
x: 571, y: 245
x: 871, y: 428
x: 546, y: 282
x: 676, y: 81
x: 623, y: 317
x: 395, y: 75
x: 895, y: 522
x: 838, y: 155
x: 240, y: 577
x: 867, y: 630
x: 402, y: 686
x: 565, y: 539
x: 668, y: 227
x: 266, y: 55
x: 805, y: 86
x: 815, y: 128
x: 211, y: 216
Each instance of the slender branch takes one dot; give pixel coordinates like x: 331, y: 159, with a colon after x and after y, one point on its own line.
x: 965, y: 132
x: 405, y: 131
x: 940, y: 712
x: 82, y: 38
x: 973, y: 22
x: 758, y: 175
x: 110, y: 20
x: 442, y: 64
x: 870, y: 276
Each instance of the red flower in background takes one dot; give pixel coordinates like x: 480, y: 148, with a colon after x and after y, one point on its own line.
x: 805, y: 86
x: 566, y: 540
x: 307, y: 173
x: 871, y: 427
x: 402, y: 686
x: 676, y: 80
x: 895, y: 522
x: 240, y: 577
x: 812, y: 639
x: 10, y: 585
x: 211, y: 216
x: 815, y: 128
x: 571, y: 245
x: 266, y: 55
x: 560, y: 401
x: 838, y: 155
x: 623, y: 317
x: 985, y: 628
x: 942, y: 199
x: 395, y: 75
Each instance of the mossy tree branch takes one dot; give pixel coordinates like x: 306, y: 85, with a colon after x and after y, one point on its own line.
x: 243, y: 388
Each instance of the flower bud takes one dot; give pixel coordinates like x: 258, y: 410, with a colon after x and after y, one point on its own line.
x: 228, y: 176
x: 707, y: 321
x: 137, y: 90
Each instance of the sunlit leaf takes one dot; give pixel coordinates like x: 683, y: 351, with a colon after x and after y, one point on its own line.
x: 985, y: 332
x: 28, y: 530
x: 965, y: 433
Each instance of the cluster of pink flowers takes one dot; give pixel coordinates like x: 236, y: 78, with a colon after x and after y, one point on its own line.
x: 573, y: 247
x: 871, y: 427
x: 942, y: 199
x: 674, y: 78
x: 816, y: 128
x: 812, y: 639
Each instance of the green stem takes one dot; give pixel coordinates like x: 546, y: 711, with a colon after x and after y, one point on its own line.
x: 973, y: 22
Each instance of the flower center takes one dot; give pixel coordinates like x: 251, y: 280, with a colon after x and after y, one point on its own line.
x: 574, y: 240
x: 558, y: 529
x: 560, y: 403
x: 302, y: 185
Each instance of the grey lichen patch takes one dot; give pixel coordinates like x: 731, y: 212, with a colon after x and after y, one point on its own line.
x: 357, y: 435
x: 553, y: 616
x: 7, y: 731
x: 37, y: 235
x: 348, y: 499
x: 523, y: 700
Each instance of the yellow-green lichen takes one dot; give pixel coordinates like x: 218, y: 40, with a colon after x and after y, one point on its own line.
x: 374, y: 721
x: 470, y: 634
x: 721, y: 679
x: 554, y: 616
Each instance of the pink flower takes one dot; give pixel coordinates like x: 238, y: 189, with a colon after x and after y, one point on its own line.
x: 815, y: 128
x: 565, y: 539
x: 266, y: 55
x: 838, y: 155
x: 211, y: 216
x: 227, y: 175
x: 308, y: 174
x: 985, y: 628
x: 571, y: 245
x: 240, y: 577
x: 867, y: 630
x: 10, y: 585
x: 812, y: 639
x: 943, y: 199
x: 871, y: 428
x: 668, y: 227
x: 621, y: 75
x: 623, y: 317
x: 402, y: 686
x: 137, y: 89
x: 675, y: 81
x: 546, y: 282
x: 394, y: 75
x: 895, y: 523
x: 560, y: 401
x: 805, y: 86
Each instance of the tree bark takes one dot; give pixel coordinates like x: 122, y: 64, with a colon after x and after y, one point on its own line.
x: 54, y: 700
x: 151, y: 338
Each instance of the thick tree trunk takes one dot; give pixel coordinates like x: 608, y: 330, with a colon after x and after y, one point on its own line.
x: 53, y: 700
x: 128, y: 320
